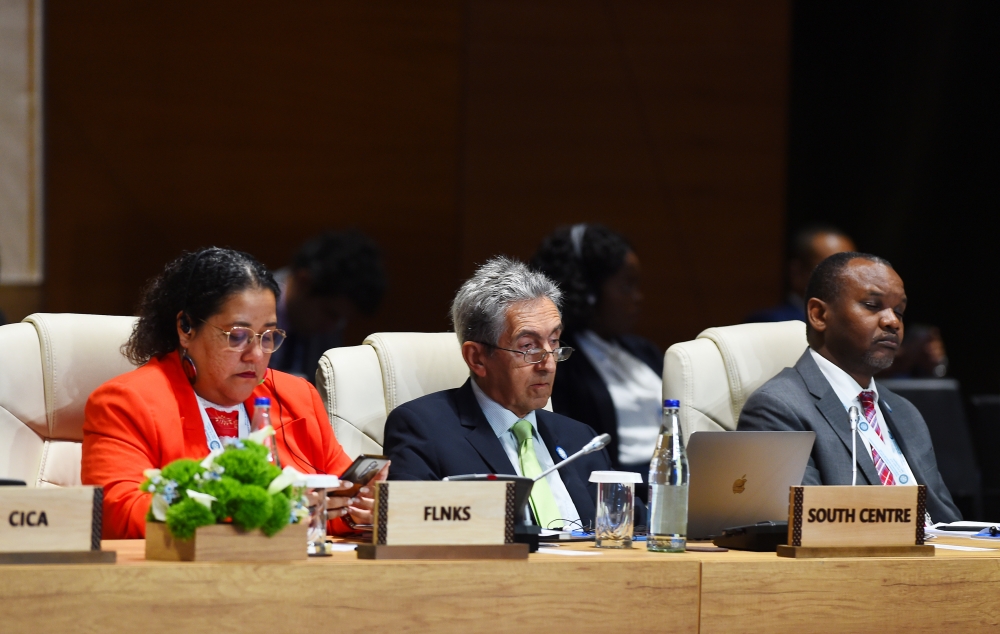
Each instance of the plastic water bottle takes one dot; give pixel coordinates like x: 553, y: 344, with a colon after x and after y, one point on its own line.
x: 668, y: 486
x: 261, y: 419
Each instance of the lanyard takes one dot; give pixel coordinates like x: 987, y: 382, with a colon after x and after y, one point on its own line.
x: 210, y: 435
x: 892, y: 457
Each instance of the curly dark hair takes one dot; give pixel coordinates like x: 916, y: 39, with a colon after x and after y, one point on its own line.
x: 348, y: 264
x: 196, y: 283
x: 580, y: 258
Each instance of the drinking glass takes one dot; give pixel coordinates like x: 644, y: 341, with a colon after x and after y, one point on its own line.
x: 615, y: 504
x: 318, y: 516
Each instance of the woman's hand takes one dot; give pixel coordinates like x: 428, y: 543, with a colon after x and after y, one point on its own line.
x: 360, y: 506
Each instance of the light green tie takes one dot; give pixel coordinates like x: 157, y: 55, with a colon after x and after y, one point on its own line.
x: 543, y: 503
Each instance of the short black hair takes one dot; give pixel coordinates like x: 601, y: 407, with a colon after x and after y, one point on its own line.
x: 579, y: 259
x: 196, y: 283
x: 826, y: 280
x: 344, y: 264
x: 800, y: 246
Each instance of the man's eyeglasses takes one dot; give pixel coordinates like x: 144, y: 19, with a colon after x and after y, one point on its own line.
x: 240, y: 338
x: 537, y: 355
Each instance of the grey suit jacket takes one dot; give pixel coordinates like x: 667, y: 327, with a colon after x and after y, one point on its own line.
x: 801, y: 399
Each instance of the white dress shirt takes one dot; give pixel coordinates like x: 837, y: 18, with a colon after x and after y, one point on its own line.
x: 848, y: 390
x: 636, y: 392
x: 502, y: 421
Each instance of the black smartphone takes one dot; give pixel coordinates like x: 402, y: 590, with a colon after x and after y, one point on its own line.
x: 360, y: 473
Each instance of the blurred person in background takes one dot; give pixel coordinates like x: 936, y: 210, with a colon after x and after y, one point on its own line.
x: 333, y: 278
x: 921, y: 355
x: 614, y: 382
x: 809, y: 246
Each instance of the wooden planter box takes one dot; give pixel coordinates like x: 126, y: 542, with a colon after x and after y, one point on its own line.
x: 225, y: 542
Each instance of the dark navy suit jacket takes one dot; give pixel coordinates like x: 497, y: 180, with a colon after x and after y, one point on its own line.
x: 447, y: 434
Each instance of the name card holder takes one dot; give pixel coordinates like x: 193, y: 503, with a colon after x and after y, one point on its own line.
x: 861, y: 521
x: 52, y: 526
x: 444, y: 520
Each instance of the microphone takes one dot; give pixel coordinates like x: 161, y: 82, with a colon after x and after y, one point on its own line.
x: 598, y: 443
x: 853, y: 413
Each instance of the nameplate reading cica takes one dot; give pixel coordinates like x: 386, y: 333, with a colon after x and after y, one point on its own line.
x: 31, y: 518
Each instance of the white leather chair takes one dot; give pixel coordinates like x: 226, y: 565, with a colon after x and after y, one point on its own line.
x: 714, y: 375
x: 49, y: 365
x: 360, y: 385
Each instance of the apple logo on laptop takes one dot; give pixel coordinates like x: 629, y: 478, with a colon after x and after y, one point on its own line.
x: 738, y: 486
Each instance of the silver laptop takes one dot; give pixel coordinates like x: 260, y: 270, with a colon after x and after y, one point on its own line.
x: 742, y: 477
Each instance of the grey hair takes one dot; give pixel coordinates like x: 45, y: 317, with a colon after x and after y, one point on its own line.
x: 479, y: 310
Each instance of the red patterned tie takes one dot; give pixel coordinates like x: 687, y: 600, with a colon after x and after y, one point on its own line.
x: 867, y: 399
x: 226, y: 424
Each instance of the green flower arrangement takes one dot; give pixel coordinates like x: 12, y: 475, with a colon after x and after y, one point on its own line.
x: 235, y: 485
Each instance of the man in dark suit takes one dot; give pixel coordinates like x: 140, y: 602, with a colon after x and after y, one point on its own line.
x: 508, y: 321
x: 854, y: 327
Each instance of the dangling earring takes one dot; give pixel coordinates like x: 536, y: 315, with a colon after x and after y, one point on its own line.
x: 187, y: 364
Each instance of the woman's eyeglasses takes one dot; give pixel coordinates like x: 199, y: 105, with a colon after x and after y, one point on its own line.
x: 240, y: 338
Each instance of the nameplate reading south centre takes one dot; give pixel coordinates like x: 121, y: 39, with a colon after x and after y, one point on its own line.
x: 444, y: 513
x: 866, y: 516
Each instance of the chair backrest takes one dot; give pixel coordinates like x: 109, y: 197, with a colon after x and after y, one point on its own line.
x: 360, y: 385
x: 714, y: 375
x: 49, y: 365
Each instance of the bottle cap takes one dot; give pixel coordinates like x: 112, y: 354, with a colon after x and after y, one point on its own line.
x: 262, y: 400
x: 671, y: 403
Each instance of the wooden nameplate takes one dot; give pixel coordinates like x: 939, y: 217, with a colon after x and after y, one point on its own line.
x: 52, y: 525
x: 819, y: 552
x: 864, y: 521
x: 476, y: 551
x: 444, y: 513
x: 225, y: 542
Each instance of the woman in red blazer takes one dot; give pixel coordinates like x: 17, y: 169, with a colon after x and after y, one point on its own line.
x: 206, y: 331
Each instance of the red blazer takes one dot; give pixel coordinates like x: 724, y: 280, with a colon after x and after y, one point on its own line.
x: 149, y: 417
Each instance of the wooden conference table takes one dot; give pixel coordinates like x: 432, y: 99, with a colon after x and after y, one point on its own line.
x: 614, y: 591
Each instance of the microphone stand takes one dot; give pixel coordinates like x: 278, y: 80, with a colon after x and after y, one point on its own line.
x: 600, y: 442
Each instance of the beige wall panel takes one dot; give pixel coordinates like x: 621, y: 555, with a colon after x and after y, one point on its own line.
x: 20, y: 147
x: 448, y: 131
x: 665, y: 121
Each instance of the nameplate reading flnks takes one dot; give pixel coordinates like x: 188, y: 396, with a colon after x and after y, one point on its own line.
x: 443, y: 513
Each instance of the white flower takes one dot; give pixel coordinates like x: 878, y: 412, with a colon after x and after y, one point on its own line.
x: 262, y: 433
x: 160, y: 507
x: 288, y: 477
x: 202, y: 498
x: 151, y: 473
x: 300, y: 512
x: 209, y: 460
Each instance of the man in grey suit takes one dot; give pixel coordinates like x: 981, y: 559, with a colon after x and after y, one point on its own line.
x: 854, y: 308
